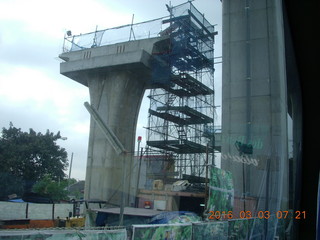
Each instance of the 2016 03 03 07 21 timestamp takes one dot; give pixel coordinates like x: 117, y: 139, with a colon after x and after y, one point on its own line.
x: 216, y: 215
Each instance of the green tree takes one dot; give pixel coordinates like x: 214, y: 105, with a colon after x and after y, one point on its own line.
x: 56, y: 190
x: 29, y: 156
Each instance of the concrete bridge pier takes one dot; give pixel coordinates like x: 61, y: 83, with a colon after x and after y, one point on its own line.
x: 117, y: 76
x: 116, y: 96
x: 254, y: 102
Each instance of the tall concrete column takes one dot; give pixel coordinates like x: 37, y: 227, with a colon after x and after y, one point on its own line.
x: 116, y: 96
x: 254, y: 101
x: 117, y: 76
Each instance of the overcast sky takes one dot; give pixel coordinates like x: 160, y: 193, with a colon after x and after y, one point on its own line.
x: 33, y: 94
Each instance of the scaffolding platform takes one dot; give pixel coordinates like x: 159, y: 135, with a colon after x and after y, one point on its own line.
x: 162, y: 175
x: 182, y: 85
x: 169, y: 117
x: 191, y: 85
x: 188, y: 57
x: 179, y: 146
x: 184, y: 55
x: 193, y: 116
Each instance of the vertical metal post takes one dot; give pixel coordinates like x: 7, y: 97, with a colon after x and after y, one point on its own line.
x: 123, y: 157
x: 52, y: 211
x: 131, y: 29
x: 139, y: 141
x: 248, y: 73
x: 27, y: 210
x: 70, y: 172
x: 64, y: 43
x: 267, y: 196
x: 206, y: 183
x: 138, y: 178
x: 246, y: 169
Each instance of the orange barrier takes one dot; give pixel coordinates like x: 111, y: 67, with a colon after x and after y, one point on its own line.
x: 26, y: 223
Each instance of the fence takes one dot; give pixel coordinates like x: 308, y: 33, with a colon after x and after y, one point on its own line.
x: 12, y: 210
x: 237, y: 229
x: 137, y: 31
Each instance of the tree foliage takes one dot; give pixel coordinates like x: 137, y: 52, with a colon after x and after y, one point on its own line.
x: 56, y: 190
x: 30, y: 156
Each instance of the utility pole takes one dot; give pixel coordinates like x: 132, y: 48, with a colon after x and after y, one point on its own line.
x: 70, y: 172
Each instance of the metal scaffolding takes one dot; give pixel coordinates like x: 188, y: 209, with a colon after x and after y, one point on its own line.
x: 181, y: 113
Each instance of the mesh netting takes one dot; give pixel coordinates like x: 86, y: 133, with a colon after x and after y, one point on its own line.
x: 119, y: 34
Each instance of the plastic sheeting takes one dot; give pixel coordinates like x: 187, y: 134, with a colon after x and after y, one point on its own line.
x: 257, y: 228
x: 117, y: 234
x: 247, y: 224
x: 210, y: 230
x: 221, y: 194
x: 163, y: 231
x: 236, y: 229
x: 175, y: 217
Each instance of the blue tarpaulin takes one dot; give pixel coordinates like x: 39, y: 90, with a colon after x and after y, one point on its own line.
x: 16, y: 200
x: 175, y: 217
